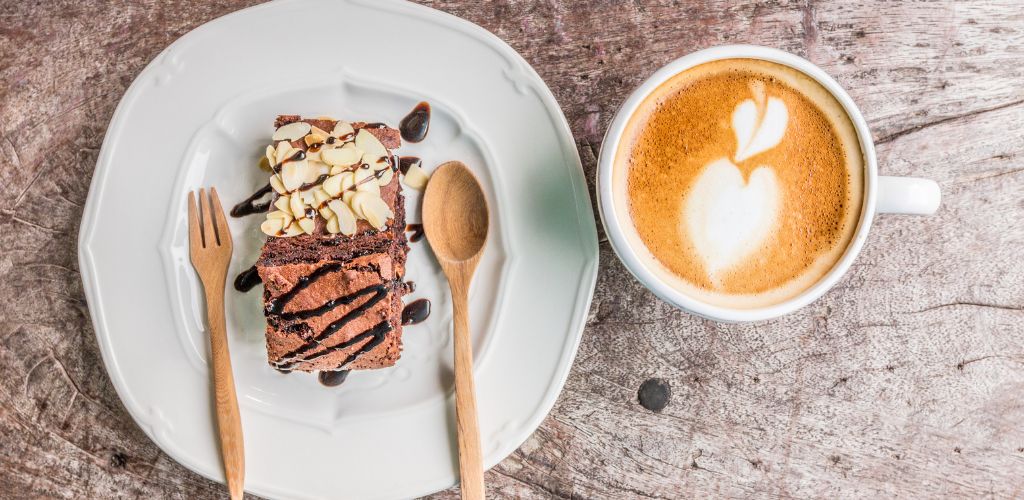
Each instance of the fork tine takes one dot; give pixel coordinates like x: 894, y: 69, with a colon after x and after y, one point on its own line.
x: 223, y: 233
x: 195, y: 234
x: 209, y: 233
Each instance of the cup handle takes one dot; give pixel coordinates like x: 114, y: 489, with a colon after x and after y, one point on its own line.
x: 907, y: 195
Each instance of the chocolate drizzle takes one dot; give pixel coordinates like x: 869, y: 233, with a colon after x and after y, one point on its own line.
x: 299, y: 155
x: 276, y: 305
x: 332, y: 379
x: 377, y: 333
x: 247, y: 280
x: 416, y: 311
x: 416, y: 124
x: 379, y: 292
x: 405, y: 162
x: 249, y: 206
x: 416, y: 230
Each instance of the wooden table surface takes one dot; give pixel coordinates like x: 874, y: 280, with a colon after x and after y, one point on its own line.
x: 906, y: 379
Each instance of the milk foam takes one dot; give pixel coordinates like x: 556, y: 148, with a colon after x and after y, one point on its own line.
x: 757, y: 132
x: 727, y: 218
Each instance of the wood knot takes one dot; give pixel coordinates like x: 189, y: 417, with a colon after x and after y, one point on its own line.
x: 118, y: 460
x: 654, y: 394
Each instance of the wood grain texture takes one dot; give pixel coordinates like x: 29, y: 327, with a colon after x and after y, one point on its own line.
x: 907, y: 379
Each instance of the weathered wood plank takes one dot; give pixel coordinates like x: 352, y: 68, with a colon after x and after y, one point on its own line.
x: 907, y: 379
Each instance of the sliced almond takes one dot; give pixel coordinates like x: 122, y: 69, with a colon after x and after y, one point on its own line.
x: 416, y: 177
x: 320, y: 195
x: 332, y: 225
x: 295, y: 206
x: 272, y: 227
x: 311, y: 171
x: 271, y: 154
x: 376, y: 162
x: 365, y: 181
x: 385, y: 177
x: 285, y: 217
x: 370, y: 145
x: 292, y: 131
x: 339, y: 169
x: 318, y: 131
x: 293, y: 229
x: 314, y: 138
x: 293, y: 174
x: 281, y: 152
x: 341, y: 129
x: 346, y: 219
x: 283, y: 204
x: 340, y: 156
x: 357, y: 211
x: 347, y: 181
x: 277, y: 214
x: 332, y: 185
x: 373, y: 209
x: 307, y: 225
x: 307, y: 196
x: 326, y: 212
x: 275, y: 182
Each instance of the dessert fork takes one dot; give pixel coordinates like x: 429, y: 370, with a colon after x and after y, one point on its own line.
x: 210, y: 250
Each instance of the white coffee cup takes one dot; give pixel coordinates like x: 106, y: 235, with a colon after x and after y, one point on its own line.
x: 882, y: 194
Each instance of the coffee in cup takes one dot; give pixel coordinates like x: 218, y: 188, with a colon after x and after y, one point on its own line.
x: 744, y: 180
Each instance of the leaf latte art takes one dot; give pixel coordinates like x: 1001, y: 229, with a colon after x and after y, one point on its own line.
x: 744, y: 181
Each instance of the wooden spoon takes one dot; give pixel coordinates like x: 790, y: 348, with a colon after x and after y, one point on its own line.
x: 455, y: 221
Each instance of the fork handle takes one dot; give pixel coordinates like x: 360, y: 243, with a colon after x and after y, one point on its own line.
x: 229, y: 423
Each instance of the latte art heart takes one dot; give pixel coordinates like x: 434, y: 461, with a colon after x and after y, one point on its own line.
x: 727, y: 218
x: 757, y: 132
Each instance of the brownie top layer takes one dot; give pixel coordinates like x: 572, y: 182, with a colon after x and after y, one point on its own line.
x: 390, y: 137
x: 367, y: 239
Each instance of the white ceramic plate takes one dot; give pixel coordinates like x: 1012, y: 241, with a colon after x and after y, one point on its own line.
x: 200, y: 114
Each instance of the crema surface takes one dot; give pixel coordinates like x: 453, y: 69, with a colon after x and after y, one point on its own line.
x: 744, y: 180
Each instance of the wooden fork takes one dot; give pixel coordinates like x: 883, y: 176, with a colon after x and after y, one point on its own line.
x: 210, y: 248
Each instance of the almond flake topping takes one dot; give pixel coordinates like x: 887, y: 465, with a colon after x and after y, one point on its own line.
x: 339, y: 179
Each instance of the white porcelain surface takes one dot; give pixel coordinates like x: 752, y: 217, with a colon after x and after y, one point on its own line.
x: 898, y: 194
x: 200, y: 114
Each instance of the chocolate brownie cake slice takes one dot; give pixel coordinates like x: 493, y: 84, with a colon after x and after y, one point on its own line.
x: 334, y: 259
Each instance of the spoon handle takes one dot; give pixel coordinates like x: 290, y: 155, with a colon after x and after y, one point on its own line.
x: 471, y: 472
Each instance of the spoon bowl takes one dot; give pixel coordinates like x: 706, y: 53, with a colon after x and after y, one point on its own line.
x: 455, y: 217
